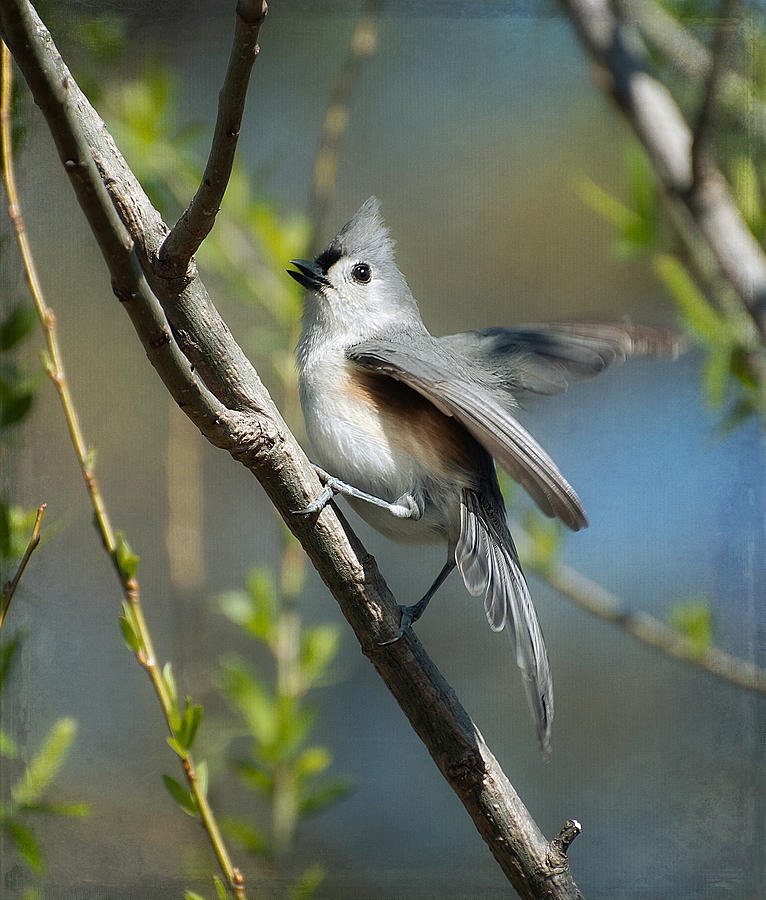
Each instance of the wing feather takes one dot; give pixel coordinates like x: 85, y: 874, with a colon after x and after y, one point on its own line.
x: 440, y: 377
x: 487, y: 559
x: 544, y: 359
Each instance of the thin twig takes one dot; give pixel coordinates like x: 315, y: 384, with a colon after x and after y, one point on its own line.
x: 364, y: 42
x: 197, y: 220
x: 704, y: 131
x: 55, y: 367
x: 651, y: 631
x: 9, y: 588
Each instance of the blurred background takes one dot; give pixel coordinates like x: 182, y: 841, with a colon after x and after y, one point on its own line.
x: 516, y: 194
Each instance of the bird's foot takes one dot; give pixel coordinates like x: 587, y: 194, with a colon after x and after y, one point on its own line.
x: 409, y: 615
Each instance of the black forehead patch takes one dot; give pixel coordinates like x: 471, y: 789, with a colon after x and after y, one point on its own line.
x: 330, y: 256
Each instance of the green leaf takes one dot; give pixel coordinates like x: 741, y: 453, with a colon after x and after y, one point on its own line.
x: 46, y: 763
x: 321, y: 799
x: 248, y: 836
x: 319, y: 648
x: 19, y: 523
x: 183, y: 796
x: 7, y: 652
x: 192, y: 895
x: 15, y: 402
x: 694, y: 620
x: 254, y: 777
x: 25, y: 843
x: 295, y: 724
x: 698, y: 314
x: 741, y: 366
x: 5, y: 531
x: 308, y: 883
x: 125, y: 558
x: 17, y: 325
x: 170, y: 683
x: 8, y: 747
x: 190, y: 722
x: 71, y: 810
x: 742, y: 410
x: 254, y: 610
x: 176, y: 747
x: 312, y: 761
x: 220, y: 888
x: 716, y: 372
x: 246, y: 693
x: 604, y: 204
x: 129, y: 635
x: 747, y: 189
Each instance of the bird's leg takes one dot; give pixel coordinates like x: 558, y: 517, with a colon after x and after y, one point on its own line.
x: 406, y: 507
x: 410, y: 614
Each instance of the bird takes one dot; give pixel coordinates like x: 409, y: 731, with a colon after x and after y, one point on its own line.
x: 409, y: 427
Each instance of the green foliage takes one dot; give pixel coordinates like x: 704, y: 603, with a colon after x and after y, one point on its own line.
x: 16, y: 326
x: 27, y: 793
x: 17, y: 387
x: 15, y: 527
x: 729, y: 340
x: 125, y: 558
x: 282, y: 766
x: 734, y: 374
x: 637, y: 221
x: 694, y: 619
x: 182, y: 795
x: 25, y: 797
x: 129, y: 628
x: 44, y: 766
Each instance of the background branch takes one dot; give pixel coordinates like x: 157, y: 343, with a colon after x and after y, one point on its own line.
x: 703, y: 145
x: 364, y: 41
x: 661, y: 128
x: 252, y: 430
x: 647, y: 629
x: 690, y: 56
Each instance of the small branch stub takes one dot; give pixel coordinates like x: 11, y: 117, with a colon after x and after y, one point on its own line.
x: 558, y: 847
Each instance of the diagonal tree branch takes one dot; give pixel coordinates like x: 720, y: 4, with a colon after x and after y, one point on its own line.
x: 692, y: 57
x: 197, y: 220
x: 250, y: 428
x: 661, y: 128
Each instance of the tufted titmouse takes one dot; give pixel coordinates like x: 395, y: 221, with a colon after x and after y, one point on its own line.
x: 406, y: 425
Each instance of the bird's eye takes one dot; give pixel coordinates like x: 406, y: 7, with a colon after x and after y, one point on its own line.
x: 361, y: 273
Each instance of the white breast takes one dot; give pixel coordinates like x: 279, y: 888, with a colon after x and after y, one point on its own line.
x: 358, y: 443
x: 346, y: 433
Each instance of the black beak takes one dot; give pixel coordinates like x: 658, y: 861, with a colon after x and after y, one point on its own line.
x: 309, y: 275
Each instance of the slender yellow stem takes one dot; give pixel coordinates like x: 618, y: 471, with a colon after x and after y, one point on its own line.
x: 9, y: 588
x: 130, y: 587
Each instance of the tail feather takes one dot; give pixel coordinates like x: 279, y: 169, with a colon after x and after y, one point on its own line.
x: 488, y: 561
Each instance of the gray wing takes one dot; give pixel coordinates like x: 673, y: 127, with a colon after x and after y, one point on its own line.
x: 489, y: 564
x: 481, y: 405
x: 545, y: 358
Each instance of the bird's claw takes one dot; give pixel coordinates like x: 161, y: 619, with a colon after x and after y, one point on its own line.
x: 317, y: 504
x: 405, y: 623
